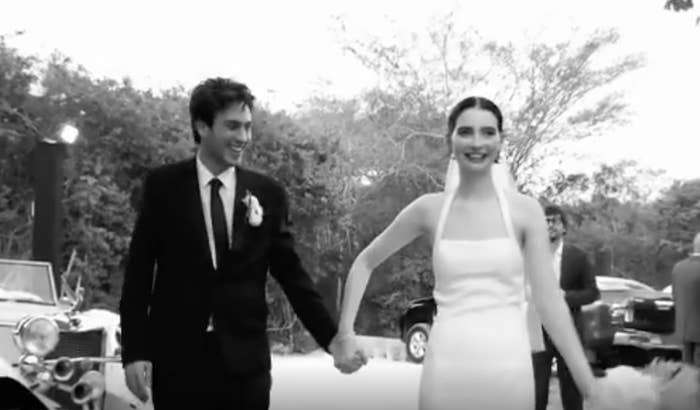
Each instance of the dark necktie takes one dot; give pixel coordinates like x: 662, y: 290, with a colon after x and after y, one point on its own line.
x: 218, y: 222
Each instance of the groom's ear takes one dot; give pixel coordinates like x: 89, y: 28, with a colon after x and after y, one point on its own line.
x: 202, y: 128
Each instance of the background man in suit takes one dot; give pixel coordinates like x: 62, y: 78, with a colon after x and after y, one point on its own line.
x: 193, y: 300
x: 578, y: 283
x: 686, y: 294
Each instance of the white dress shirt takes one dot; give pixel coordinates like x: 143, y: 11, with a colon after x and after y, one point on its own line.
x: 227, y: 192
x: 556, y: 260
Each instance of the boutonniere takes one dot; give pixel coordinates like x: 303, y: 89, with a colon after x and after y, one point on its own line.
x: 254, y: 214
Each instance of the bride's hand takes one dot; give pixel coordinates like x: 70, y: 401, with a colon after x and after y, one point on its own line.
x: 594, y: 396
x: 348, y: 357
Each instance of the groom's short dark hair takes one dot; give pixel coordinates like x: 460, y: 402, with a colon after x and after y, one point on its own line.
x: 213, y: 95
x: 554, y: 210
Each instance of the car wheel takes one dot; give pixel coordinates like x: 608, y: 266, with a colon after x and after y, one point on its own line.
x: 417, y: 342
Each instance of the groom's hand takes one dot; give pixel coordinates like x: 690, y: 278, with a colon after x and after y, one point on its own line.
x: 138, y: 376
x: 348, y: 357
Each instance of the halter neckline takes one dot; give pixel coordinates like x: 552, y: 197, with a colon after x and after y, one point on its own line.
x: 504, y: 211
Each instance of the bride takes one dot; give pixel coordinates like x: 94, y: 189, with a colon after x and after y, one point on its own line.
x: 489, y: 245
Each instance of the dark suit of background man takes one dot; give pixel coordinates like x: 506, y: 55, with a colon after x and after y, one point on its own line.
x: 686, y: 295
x: 577, y: 280
x: 193, y: 300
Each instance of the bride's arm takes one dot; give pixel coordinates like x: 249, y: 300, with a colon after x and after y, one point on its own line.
x: 407, y: 226
x: 549, y: 298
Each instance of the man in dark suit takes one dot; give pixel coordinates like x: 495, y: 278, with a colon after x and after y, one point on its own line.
x: 686, y: 295
x: 208, y: 231
x: 578, y: 283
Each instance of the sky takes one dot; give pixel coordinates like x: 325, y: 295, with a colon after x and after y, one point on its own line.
x: 288, y: 51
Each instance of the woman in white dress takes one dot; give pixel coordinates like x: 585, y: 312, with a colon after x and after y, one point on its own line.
x: 488, y: 242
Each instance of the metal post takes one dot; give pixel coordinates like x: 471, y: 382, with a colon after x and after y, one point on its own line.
x: 48, y: 205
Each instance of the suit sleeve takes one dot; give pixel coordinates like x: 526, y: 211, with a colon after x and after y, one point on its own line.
x: 588, y: 290
x: 287, y: 269
x: 138, y: 278
x: 677, y: 292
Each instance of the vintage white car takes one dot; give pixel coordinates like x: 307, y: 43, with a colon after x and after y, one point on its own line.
x: 52, y: 352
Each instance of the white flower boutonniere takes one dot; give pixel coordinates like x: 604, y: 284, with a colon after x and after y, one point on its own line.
x: 255, y: 211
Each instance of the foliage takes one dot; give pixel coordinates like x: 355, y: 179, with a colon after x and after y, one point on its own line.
x: 678, y: 5
x: 349, y: 165
x: 625, y: 232
x: 548, y: 92
x: 124, y: 132
x: 681, y: 6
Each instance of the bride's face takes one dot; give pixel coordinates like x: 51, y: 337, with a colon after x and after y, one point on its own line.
x: 476, y: 141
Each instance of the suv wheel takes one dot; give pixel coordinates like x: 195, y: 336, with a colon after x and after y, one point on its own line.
x: 417, y: 342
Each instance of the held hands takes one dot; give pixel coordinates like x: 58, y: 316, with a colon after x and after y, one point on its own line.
x: 348, y: 357
x: 138, y: 378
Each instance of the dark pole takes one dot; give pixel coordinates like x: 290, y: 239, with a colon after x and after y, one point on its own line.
x: 48, y: 206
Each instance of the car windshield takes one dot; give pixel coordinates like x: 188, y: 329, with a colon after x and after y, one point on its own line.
x: 25, y: 282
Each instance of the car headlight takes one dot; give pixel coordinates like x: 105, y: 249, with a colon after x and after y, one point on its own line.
x: 37, y: 335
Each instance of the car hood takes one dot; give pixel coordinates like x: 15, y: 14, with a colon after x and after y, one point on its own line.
x: 642, y: 294
x: 12, y: 312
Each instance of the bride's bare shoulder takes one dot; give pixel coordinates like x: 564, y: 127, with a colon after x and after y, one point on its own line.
x: 524, y: 209
x: 425, y: 208
x: 430, y: 202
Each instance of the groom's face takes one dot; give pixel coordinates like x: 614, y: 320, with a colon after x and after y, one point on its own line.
x: 228, y: 136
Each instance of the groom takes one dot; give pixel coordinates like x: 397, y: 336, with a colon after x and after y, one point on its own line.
x: 193, y: 303
x: 577, y: 280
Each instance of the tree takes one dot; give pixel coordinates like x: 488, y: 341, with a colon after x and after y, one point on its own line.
x: 679, y: 208
x: 391, y: 144
x: 18, y: 133
x: 548, y: 92
x: 124, y: 132
x: 625, y: 231
x: 679, y: 6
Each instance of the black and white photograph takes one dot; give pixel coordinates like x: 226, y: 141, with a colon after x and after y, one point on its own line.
x: 350, y: 204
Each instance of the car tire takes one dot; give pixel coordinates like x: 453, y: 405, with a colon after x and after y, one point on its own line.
x: 417, y: 342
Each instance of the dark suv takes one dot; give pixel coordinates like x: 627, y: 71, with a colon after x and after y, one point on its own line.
x: 632, y: 323
x: 414, y: 326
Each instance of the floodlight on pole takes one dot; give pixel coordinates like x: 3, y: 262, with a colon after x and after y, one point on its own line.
x: 49, y: 157
x: 68, y: 134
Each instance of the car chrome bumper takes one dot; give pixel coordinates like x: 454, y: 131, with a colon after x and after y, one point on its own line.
x: 643, y: 340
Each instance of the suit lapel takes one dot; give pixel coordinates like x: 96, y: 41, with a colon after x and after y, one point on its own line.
x: 193, y: 201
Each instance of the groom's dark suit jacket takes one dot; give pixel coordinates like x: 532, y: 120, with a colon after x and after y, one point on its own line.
x: 171, y: 287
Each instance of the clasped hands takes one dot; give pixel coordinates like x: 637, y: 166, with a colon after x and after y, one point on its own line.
x: 348, y: 357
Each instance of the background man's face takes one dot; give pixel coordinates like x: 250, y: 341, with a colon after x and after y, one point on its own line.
x: 555, y: 227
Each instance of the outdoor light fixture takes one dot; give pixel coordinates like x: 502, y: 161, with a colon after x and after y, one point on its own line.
x: 67, y: 134
x: 48, y: 166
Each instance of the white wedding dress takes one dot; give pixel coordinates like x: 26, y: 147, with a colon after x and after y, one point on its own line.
x: 479, y: 354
